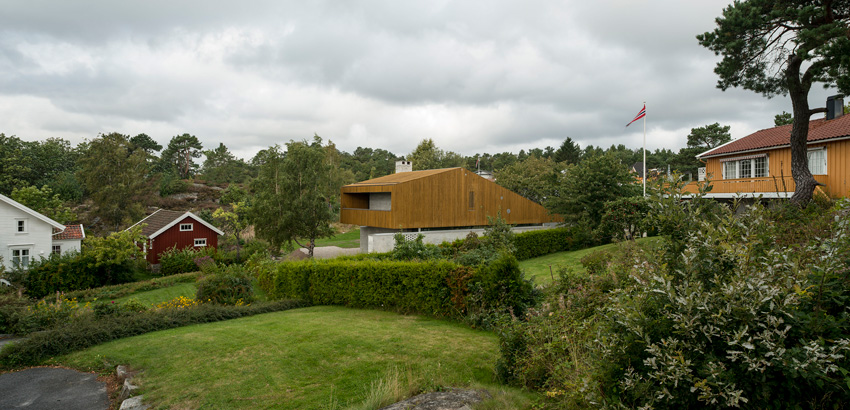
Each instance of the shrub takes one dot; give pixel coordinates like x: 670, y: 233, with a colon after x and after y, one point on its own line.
x: 44, y: 315
x: 624, y: 218
x: 74, y: 271
x: 12, y: 308
x: 132, y: 305
x: 405, y: 250
x: 532, y: 244
x: 174, y: 261
x: 118, y: 291
x: 38, y: 347
x: 596, y: 262
x: 229, y: 287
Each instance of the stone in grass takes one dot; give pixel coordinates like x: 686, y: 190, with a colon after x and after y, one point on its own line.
x: 451, y: 399
x: 122, y: 373
x: 128, y: 390
x: 134, y: 403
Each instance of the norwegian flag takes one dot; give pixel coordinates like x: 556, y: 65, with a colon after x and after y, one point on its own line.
x: 640, y: 115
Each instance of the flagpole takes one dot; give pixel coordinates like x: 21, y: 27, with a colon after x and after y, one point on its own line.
x: 644, y: 150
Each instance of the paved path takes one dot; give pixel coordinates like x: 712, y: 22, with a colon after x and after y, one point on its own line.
x: 327, y: 252
x: 46, y: 388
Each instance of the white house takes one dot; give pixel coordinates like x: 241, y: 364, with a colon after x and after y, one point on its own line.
x: 26, y: 234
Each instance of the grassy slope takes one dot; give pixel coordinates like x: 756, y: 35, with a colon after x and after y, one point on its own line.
x: 298, y: 359
x: 537, y: 269
x: 153, y: 297
x: 350, y: 239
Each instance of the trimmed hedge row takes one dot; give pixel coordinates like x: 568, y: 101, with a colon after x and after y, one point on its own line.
x: 532, y: 244
x: 422, y: 287
x: 40, y: 346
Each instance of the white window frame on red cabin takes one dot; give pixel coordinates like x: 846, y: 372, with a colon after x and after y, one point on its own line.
x: 200, y: 242
x: 186, y: 227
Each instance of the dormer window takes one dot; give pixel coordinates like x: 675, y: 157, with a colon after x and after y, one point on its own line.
x: 185, y: 227
x: 20, y: 226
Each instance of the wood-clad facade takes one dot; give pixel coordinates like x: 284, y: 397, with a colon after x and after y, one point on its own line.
x: 735, y: 169
x: 442, y: 198
x: 166, y: 229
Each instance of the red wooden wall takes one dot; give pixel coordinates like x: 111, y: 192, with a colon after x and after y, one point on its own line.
x: 173, y: 237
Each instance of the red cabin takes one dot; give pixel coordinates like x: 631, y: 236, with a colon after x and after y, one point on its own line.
x: 168, y: 229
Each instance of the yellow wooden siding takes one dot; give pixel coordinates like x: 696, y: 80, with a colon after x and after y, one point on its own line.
x: 837, y: 179
x: 442, y: 200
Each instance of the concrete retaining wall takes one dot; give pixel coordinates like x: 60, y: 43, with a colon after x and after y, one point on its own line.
x: 382, y: 240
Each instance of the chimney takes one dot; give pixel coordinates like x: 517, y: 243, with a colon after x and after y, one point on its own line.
x: 834, y: 106
x: 403, y: 166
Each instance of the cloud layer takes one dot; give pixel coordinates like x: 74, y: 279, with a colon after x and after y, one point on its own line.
x: 476, y: 76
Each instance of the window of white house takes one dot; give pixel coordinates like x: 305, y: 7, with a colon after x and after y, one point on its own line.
x: 199, y: 242
x: 21, y: 225
x: 745, y: 168
x: 185, y: 227
x: 56, y: 249
x: 817, y: 161
x: 21, y: 258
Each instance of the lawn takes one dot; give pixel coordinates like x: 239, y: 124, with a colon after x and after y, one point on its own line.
x: 350, y: 239
x: 538, y: 269
x: 153, y: 297
x: 312, y: 358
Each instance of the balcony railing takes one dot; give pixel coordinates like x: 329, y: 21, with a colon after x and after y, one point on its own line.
x: 751, y: 185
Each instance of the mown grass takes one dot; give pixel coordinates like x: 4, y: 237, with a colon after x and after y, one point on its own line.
x: 312, y: 358
x: 538, y: 269
x: 350, y: 239
x: 153, y: 297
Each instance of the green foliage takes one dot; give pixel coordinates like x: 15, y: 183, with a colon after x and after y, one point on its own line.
x: 116, y: 178
x: 177, y: 158
x: 43, y: 315
x: 170, y: 184
x: 589, y: 185
x: 221, y: 166
x: 534, y: 178
x: 624, y: 218
x: 596, y: 262
x: 121, y: 290
x: 532, y: 244
x: 11, y: 308
x: 405, y: 250
x: 175, y: 260
x: 501, y: 288
x: 231, y: 286
x: 428, y: 156
x: 38, y: 347
x: 112, y: 308
x: 296, y: 195
x: 709, y: 136
x: 786, y: 118
x: 45, y: 202
x: 104, y: 261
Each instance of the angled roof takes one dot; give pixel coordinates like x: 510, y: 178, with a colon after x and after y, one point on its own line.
x: 162, y: 219
x: 819, y: 130
x: 400, y: 177
x: 27, y: 210
x: 71, y: 232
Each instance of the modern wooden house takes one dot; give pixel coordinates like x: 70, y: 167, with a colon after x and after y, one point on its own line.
x: 166, y: 229
x: 760, y: 163
x: 433, y: 200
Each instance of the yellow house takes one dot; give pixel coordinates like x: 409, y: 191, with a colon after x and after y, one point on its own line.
x: 760, y: 163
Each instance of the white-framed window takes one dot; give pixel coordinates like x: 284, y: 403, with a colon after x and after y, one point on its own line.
x: 56, y: 249
x: 745, y: 168
x: 21, y: 225
x: 200, y: 242
x: 185, y: 227
x: 730, y: 170
x: 21, y: 258
x: 817, y: 161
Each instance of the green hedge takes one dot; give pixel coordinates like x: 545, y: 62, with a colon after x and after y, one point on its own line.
x: 422, y: 287
x: 40, y: 346
x: 75, y: 271
x: 532, y: 244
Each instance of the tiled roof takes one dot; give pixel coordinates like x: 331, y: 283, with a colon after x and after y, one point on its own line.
x: 157, y: 220
x: 819, y: 130
x: 71, y: 232
x: 402, y: 177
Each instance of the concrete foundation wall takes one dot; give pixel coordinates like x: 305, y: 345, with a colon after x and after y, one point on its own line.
x: 380, y: 242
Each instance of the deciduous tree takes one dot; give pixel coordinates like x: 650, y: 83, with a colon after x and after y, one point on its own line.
x: 294, y: 199
x: 783, y: 48
x: 535, y: 178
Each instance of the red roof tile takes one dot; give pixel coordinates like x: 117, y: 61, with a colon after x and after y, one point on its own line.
x: 70, y: 232
x: 819, y: 130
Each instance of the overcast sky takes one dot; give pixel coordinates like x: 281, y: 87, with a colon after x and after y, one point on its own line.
x: 476, y: 76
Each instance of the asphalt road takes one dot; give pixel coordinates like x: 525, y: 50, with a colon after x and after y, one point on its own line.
x: 45, y: 388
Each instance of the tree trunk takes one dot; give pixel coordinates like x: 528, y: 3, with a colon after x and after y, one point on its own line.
x: 798, y: 90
